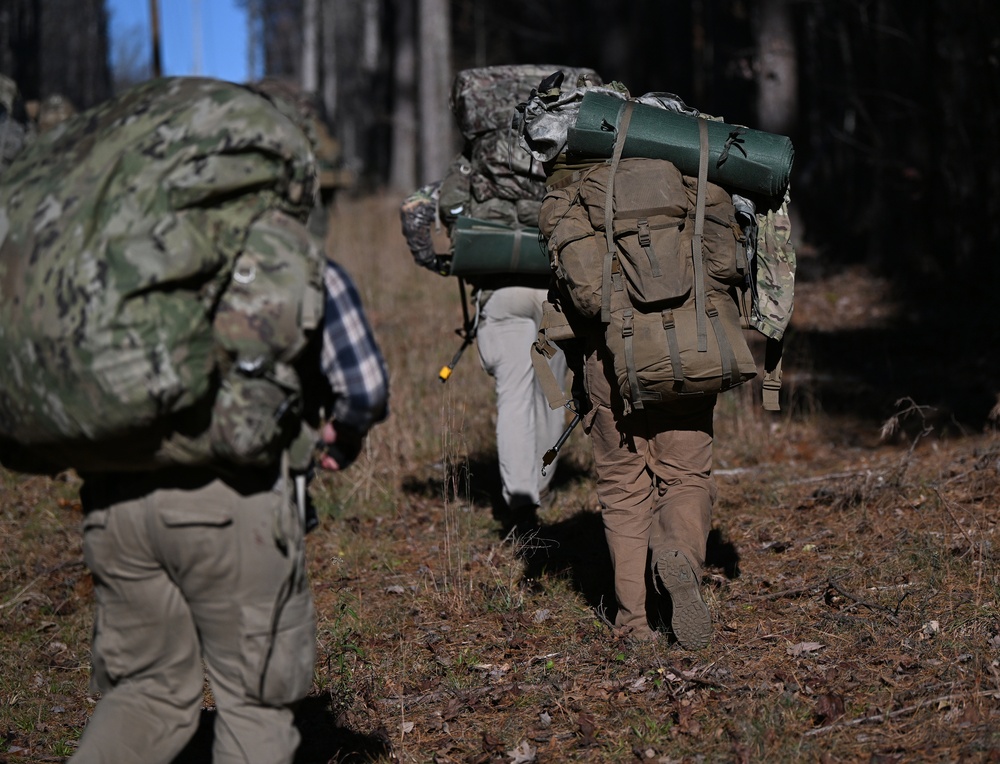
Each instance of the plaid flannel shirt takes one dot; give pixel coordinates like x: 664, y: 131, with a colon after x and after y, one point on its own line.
x: 351, y: 358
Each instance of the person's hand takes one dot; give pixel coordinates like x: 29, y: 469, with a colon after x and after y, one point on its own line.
x: 341, y: 446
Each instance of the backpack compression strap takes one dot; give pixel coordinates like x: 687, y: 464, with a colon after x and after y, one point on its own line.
x: 611, y: 253
x: 697, y: 239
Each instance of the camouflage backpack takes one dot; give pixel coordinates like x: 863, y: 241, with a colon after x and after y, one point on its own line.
x: 495, y: 183
x: 499, y: 179
x: 157, y: 285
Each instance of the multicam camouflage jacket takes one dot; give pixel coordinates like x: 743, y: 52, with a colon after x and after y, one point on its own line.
x: 157, y: 282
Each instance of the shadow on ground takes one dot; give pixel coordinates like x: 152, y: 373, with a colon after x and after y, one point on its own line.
x: 323, y: 740
x: 935, y: 352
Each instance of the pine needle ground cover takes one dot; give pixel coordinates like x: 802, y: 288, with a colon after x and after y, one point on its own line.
x: 853, y: 577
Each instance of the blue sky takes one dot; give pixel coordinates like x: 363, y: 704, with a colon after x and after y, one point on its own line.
x: 223, y: 34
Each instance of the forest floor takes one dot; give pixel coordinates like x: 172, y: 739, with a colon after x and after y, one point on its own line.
x: 853, y: 579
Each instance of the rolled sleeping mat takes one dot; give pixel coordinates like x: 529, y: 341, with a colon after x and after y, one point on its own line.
x: 484, y: 247
x: 740, y: 158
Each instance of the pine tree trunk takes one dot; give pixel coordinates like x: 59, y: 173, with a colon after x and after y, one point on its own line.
x: 436, y: 121
x: 777, y: 73
x: 403, y: 167
x: 310, y: 41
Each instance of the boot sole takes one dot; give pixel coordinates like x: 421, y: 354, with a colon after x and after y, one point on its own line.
x: 690, y: 618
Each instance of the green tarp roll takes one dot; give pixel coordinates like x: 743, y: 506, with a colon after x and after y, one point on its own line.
x: 752, y: 161
x: 483, y: 247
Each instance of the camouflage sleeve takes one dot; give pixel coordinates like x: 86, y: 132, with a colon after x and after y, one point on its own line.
x: 418, y: 213
x: 775, y: 273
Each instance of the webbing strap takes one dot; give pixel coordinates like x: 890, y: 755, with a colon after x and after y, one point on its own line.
x: 515, y: 256
x: 674, y: 348
x: 609, y: 258
x: 633, y: 379
x: 696, y: 240
x: 726, y: 355
x: 772, y: 373
x: 609, y: 210
x: 541, y: 351
x: 772, y: 385
x: 646, y: 242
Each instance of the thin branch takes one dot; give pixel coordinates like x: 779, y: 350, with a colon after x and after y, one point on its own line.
x: 14, y: 600
x: 899, y: 711
x: 870, y: 605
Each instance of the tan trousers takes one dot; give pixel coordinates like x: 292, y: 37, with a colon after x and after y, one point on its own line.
x: 654, y: 482
x: 186, y: 571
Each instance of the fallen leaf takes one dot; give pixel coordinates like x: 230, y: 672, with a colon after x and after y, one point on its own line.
x: 587, y: 729
x: 492, y: 744
x: 451, y: 710
x: 829, y: 708
x: 523, y: 754
x: 804, y: 647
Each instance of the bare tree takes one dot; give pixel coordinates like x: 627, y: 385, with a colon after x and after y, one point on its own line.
x: 777, y: 72
x: 131, y: 60
x: 310, y: 43
x: 403, y: 167
x: 436, y: 131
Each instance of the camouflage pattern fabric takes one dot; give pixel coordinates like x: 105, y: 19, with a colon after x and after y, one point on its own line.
x: 418, y: 214
x: 504, y: 170
x: 119, y: 237
x: 484, y: 102
x: 494, y: 178
x: 775, y: 273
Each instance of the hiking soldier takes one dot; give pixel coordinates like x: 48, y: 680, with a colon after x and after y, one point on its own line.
x: 652, y: 258
x: 202, y: 286
x: 494, y: 184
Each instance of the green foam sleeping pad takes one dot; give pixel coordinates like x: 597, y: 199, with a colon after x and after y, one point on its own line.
x: 752, y: 161
x: 485, y: 247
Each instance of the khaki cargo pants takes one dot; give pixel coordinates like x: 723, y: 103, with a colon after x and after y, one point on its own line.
x: 188, y: 570
x: 654, y: 482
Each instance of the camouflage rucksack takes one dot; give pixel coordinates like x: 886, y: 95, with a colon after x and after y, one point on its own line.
x: 501, y: 181
x: 157, y: 285
x: 495, y: 183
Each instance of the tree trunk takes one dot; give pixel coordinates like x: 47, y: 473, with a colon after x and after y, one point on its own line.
x: 403, y: 167
x: 777, y: 74
x: 436, y: 121
x: 328, y: 57
x: 310, y: 40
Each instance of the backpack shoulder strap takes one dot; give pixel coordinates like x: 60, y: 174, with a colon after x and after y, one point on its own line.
x: 697, y: 240
x: 610, y: 255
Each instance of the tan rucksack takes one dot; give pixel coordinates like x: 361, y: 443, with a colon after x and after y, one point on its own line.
x: 656, y: 261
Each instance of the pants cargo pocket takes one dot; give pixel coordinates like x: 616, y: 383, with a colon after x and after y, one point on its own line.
x: 280, y: 649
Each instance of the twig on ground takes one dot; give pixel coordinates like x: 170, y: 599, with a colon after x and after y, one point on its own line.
x: 870, y: 605
x: 14, y: 600
x: 899, y: 711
